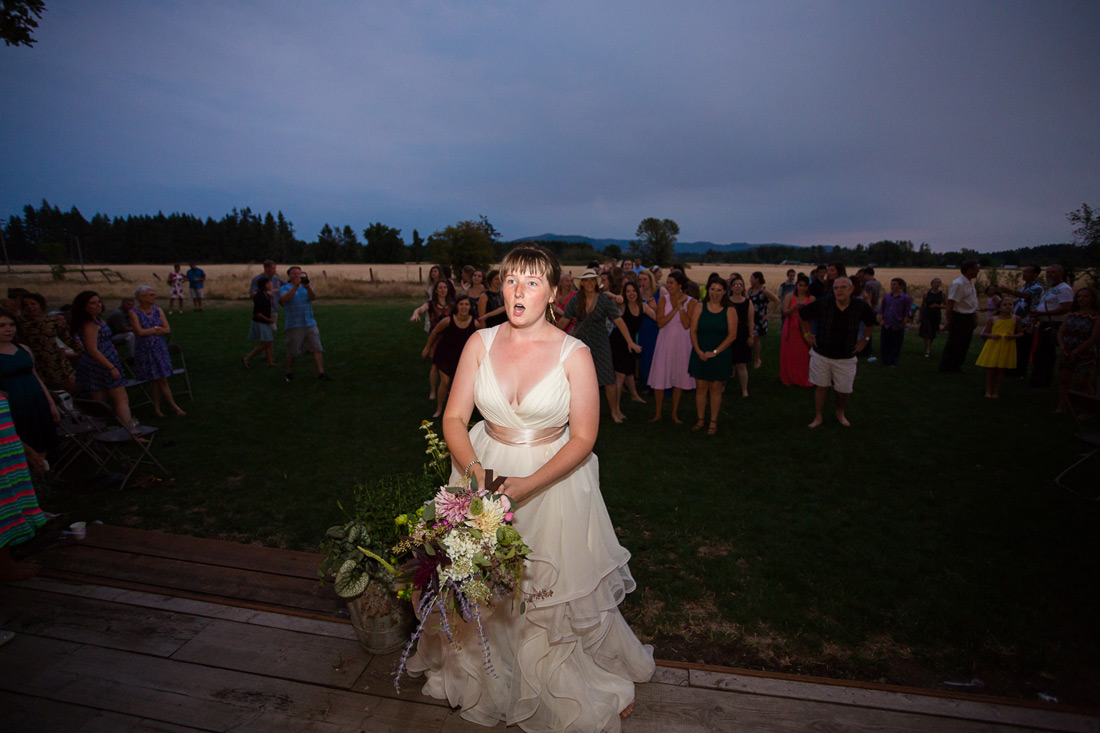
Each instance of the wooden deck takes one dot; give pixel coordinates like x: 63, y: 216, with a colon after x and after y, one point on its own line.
x: 134, y: 630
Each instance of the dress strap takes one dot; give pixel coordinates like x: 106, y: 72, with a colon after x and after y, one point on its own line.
x: 568, y: 346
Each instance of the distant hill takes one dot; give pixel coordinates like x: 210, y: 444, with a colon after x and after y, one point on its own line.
x: 682, y: 248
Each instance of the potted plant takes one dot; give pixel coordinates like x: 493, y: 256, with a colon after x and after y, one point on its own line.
x: 358, y: 554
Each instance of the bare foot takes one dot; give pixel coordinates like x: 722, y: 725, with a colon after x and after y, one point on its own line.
x: 436, y: 413
x: 677, y: 420
x: 757, y: 364
x: 619, y: 418
x: 180, y: 412
x: 431, y: 396
x: 627, y: 711
x: 655, y: 418
x: 637, y: 398
x: 158, y: 413
x: 843, y: 420
x: 817, y: 421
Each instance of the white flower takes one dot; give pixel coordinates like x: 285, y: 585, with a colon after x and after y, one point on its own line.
x: 491, y: 517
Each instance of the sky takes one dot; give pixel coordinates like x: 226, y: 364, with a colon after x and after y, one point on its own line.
x: 960, y: 124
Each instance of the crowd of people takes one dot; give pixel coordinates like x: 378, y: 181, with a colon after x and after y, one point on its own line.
x: 659, y: 336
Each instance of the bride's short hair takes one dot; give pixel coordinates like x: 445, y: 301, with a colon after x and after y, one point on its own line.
x: 530, y: 258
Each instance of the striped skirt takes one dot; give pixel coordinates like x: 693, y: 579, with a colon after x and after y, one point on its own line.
x: 19, y: 512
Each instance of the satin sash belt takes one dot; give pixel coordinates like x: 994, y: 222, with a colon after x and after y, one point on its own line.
x: 522, y: 436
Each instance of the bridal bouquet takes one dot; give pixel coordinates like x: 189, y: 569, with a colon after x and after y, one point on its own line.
x: 464, y: 556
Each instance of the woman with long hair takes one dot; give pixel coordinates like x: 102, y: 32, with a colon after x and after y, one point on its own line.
x: 760, y: 297
x: 1079, y: 345
x: 477, y: 286
x: 152, y: 363
x: 713, y: 328
x: 99, y: 370
x: 566, y: 292
x: 490, y: 306
x: 590, y: 311
x: 445, y: 344
x: 438, y: 307
x: 649, y: 291
x: 624, y: 357
x: 740, y: 349
x: 43, y: 334
x: 32, y: 406
x: 673, y: 348
x: 571, y: 661
x: 794, y: 352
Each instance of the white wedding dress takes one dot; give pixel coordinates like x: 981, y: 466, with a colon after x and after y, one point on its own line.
x: 569, y: 663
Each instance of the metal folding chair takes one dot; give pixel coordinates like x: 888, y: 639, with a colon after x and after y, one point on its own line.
x: 76, y: 431
x: 130, y: 444
x: 174, y: 352
x: 1086, y: 413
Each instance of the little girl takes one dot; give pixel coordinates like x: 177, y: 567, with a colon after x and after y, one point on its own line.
x: 999, y: 352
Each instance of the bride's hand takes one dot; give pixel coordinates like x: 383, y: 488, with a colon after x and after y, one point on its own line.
x: 517, y: 489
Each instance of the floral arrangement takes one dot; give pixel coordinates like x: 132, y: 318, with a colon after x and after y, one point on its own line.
x: 464, y: 556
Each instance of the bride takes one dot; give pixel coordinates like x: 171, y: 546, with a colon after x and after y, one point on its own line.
x: 570, y: 662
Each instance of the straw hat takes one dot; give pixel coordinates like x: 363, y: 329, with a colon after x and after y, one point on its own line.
x: 586, y: 275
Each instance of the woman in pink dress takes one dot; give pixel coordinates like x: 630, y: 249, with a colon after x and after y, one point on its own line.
x: 673, y: 349
x: 794, y: 355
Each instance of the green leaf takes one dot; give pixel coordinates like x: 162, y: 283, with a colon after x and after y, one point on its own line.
x: 523, y: 607
x: 428, y: 548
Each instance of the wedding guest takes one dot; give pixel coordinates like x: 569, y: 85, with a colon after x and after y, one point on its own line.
x: 959, y: 318
x: 44, y: 335
x: 624, y: 357
x: 122, y: 333
x: 894, y: 310
x: 465, y: 280
x: 741, y: 348
x: 20, y: 515
x: 263, y: 322
x: 297, y: 297
x: 590, y: 311
x: 197, y: 280
x: 834, y: 345
x: 490, y: 306
x: 713, y: 328
x: 672, y: 351
x: 477, y: 286
x: 649, y: 292
x: 32, y: 406
x: 445, y: 344
x: 437, y: 307
x: 566, y: 292
x: 760, y: 297
x: 1027, y: 298
x: 794, y: 352
x: 871, y: 291
x: 269, y: 272
x: 818, y: 289
x: 1049, y: 315
x: 98, y: 370
x: 992, y: 303
x: 152, y: 363
x: 931, y: 308
x: 176, y: 279
x: 999, y: 352
x: 1079, y: 345
x: 786, y: 288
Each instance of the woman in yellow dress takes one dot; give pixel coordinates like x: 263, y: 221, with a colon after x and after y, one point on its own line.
x: 999, y: 353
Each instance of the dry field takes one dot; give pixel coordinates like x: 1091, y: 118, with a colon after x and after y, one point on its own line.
x: 229, y: 282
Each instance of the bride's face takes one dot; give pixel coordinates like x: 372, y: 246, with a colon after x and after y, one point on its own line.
x: 526, y: 296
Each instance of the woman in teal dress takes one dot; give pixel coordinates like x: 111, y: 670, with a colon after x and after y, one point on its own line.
x: 713, y: 329
x: 32, y: 409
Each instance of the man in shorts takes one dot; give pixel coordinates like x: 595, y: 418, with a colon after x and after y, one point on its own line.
x: 834, y: 343
x: 297, y: 297
x: 195, y: 278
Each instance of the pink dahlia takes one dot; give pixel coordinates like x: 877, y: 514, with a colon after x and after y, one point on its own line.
x: 453, y: 508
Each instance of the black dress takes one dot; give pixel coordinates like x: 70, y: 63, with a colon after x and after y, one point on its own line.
x: 622, y: 358
x: 449, y: 345
x: 492, y: 302
x: 739, y: 349
x: 930, y: 317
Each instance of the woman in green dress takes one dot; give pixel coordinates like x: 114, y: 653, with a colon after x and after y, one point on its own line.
x: 713, y: 329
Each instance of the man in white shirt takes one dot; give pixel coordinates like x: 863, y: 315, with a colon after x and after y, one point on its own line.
x: 1048, y: 316
x: 959, y: 318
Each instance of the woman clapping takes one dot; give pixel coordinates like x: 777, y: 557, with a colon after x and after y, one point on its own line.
x: 713, y: 329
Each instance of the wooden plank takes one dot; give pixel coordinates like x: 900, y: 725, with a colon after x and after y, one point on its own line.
x: 908, y: 701
x: 92, y: 621
x: 25, y: 713
x: 668, y: 709
x: 276, y: 653
x: 337, y: 628
x: 174, y: 576
x: 204, y: 551
x: 212, y: 699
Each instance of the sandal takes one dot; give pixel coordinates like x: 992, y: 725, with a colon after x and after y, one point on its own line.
x: 698, y: 426
x: 713, y: 429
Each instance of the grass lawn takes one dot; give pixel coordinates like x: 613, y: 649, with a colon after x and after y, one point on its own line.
x: 926, y: 543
